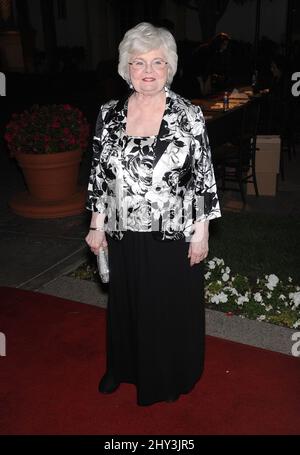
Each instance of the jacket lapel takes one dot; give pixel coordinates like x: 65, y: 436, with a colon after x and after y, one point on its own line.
x: 116, y: 118
x: 167, y: 128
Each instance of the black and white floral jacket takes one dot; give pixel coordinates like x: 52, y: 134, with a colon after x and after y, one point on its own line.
x: 183, y: 183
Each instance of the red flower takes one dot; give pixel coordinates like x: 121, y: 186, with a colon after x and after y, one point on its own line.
x: 8, y: 137
x: 47, y: 129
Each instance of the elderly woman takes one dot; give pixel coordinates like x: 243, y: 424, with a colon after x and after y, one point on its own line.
x: 152, y: 192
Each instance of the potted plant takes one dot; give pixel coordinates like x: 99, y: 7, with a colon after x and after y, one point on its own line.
x: 48, y: 142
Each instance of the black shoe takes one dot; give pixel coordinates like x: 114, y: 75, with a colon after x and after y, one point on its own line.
x: 172, y: 398
x: 107, y: 384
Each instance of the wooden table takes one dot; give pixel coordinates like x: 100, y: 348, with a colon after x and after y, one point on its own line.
x: 223, y: 126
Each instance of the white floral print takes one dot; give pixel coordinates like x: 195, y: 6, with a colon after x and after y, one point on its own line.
x: 177, y: 180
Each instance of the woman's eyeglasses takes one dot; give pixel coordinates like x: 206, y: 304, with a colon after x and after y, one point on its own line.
x: 140, y: 65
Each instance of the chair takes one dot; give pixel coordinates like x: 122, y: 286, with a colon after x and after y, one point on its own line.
x: 235, y: 161
x: 289, y: 132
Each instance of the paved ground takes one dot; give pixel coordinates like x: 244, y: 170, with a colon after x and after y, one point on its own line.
x: 38, y: 254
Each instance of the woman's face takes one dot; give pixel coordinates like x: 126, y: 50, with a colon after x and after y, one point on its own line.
x: 148, y: 72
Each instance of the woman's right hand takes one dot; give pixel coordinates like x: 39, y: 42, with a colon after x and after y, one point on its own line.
x: 96, y: 240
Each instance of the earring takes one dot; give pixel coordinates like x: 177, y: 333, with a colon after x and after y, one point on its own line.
x: 130, y: 85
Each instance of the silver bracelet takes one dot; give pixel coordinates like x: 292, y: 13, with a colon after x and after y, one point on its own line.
x: 96, y: 229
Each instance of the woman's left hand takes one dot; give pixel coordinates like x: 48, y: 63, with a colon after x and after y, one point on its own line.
x: 198, y: 249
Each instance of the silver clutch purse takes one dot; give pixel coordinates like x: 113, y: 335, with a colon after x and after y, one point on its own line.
x: 102, y: 262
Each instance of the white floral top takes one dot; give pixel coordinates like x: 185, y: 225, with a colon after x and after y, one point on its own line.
x: 137, y: 163
x: 182, y: 189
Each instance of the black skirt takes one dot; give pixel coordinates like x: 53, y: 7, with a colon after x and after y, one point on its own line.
x: 155, y: 316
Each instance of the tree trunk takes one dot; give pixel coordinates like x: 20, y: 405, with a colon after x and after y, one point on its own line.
x: 49, y: 34
x: 210, y: 12
x: 208, y: 26
x: 5, y: 9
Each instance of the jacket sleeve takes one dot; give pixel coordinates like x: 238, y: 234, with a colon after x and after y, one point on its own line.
x: 205, y: 199
x: 97, y: 186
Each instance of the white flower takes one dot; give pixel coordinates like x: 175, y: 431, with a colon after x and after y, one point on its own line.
x: 234, y: 291
x: 225, y: 277
x: 215, y: 299
x: 242, y: 299
x: 295, y: 297
x: 219, y: 261
x: 290, y: 279
x: 227, y: 288
x: 272, y: 281
x: 207, y: 294
x: 265, y: 291
x: 257, y: 297
x: 222, y: 297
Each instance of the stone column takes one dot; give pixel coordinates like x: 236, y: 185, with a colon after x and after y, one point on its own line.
x: 49, y: 29
x: 5, y: 10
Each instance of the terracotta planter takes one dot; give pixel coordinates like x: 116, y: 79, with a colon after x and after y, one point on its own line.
x: 52, y: 186
x: 51, y: 177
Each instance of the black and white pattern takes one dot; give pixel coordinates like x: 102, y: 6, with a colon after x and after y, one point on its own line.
x: 137, y: 165
x: 182, y: 187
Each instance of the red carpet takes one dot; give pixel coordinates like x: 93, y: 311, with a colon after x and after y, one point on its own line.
x: 55, y: 357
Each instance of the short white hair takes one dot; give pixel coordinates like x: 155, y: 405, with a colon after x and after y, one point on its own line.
x: 143, y: 38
